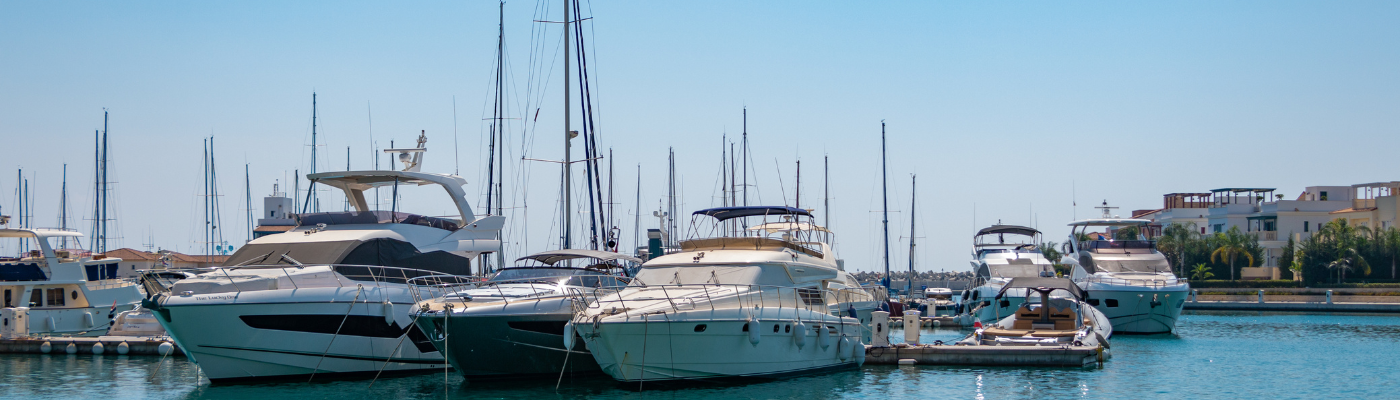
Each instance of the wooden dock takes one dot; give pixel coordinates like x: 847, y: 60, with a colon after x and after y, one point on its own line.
x: 1014, y: 356
x: 110, y: 345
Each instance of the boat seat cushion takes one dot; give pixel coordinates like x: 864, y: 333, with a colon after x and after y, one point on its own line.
x: 995, y: 331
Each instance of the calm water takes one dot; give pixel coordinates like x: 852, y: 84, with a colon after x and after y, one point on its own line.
x: 1215, y: 355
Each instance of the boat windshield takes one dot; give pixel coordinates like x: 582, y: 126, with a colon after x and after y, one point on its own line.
x: 1119, y: 246
x: 541, y: 274
x: 375, y: 217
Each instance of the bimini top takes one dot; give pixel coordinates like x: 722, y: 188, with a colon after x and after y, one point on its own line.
x: 1045, y: 283
x: 355, y: 183
x: 724, y: 213
x: 553, y: 256
x: 1012, y: 229
x: 1110, y: 222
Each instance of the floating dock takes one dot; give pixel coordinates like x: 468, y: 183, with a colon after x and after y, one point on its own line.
x: 1389, y: 308
x: 1018, y: 356
x: 108, y: 345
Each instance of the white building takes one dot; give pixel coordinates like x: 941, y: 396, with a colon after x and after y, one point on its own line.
x: 1267, y: 216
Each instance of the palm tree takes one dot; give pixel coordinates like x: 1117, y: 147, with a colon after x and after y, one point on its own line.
x: 1200, y: 272
x: 1176, y: 238
x: 1345, y: 239
x: 1390, y: 242
x: 1232, y: 245
x: 1051, y: 252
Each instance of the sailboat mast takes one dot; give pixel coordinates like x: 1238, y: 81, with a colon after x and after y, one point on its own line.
x: 914, y: 185
x: 568, y: 175
x: 885, y: 192
x: 248, y: 193
x: 637, y: 213
x: 103, y: 245
x: 311, y: 197
x: 63, y: 207
x: 826, y: 191
x: 96, y: 190
x: 206, y: 196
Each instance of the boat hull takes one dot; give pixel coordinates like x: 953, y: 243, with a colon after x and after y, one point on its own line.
x: 1139, y: 310
x: 530, y: 334
x: 291, y: 333
x: 653, y: 348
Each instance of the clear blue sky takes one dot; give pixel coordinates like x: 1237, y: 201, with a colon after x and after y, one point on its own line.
x: 1001, y: 106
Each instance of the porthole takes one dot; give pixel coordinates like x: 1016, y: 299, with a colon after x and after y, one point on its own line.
x: 746, y: 327
x: 787, y: 328
x: 775, y: 328
x: 75, y: 295
x: 700, y: 328
x: 1111, y: 302
x: 1094, y: 302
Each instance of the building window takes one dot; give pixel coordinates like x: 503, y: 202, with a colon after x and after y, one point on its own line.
x: 1305, y: 226
x: 1218, y: 228
x: 1203, y: 230
x: 1323, y: 196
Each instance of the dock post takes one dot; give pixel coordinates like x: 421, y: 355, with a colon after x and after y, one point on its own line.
x: 1261, y: 296
x: 1194, y: 292
x: 1329, y: 297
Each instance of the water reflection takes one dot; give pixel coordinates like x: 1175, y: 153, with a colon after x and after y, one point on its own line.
x: 1212, y: 355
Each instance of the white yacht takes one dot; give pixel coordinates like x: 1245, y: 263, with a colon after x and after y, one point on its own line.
x: 1129, y: 280
x: 330, y: 296
x: 996, y: 261
x: 732, y: 307
x: 56, y: 292
x: 519, y: 314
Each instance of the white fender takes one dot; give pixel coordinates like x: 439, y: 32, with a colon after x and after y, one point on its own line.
x: 754, y: 335
x: 823, y: 336
x: 98, y: 348
x: 569, y: 335
x: 165, y: 348
x: 87, y: 320
x: 71, y: 349
x: 123, y: 348
x: 46, y: 347
x: 799, y: 334
x: 51, y: 324
x: 860, y: 352
x: 844, y: 348
x: 388, y: 309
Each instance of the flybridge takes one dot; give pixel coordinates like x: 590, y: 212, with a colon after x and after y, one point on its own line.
x: 726, y: 213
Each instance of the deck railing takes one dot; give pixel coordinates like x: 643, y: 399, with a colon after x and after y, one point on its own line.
x: 1152, y: 283
x: 695, y: 296
x: 448, y: 292
x: 342, y: 275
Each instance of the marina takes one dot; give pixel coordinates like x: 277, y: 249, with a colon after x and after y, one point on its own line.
x: 680, y: 200
x: 1213, y: 354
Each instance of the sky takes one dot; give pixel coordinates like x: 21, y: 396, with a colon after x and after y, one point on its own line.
x: 1006, y: 111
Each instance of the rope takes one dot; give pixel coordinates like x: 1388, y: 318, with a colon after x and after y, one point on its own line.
x: 337, y: 332
x: 396, y: 349
x: 446, y: 312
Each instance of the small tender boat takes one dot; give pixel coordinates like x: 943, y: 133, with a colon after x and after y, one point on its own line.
x: 1053, y: 321
x: 939, y: 302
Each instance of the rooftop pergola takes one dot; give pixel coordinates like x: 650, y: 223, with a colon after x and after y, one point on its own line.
x: 1234, y: 195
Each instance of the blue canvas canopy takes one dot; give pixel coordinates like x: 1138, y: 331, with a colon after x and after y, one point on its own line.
x: 724, y: 213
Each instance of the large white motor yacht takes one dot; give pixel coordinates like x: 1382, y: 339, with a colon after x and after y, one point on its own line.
x: 996, y: 261
x: 731, y: 307
x: 1129, y: 280
x: 55, y: 292
x: 519, y: 314
x: 330, y: 296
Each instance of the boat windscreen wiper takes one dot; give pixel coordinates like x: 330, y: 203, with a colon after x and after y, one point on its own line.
x: 251, y: 260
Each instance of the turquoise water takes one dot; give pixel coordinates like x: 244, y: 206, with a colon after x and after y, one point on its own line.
x: 1214, y: 355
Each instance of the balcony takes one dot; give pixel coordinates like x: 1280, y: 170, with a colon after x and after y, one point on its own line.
x: 1265, y: 236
